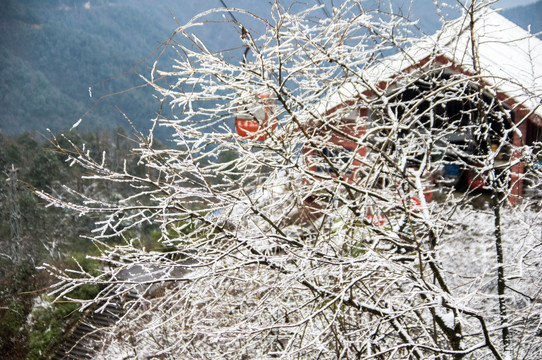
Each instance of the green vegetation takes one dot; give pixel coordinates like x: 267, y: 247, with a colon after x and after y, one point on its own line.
x: 47, y: 320
x: 53, y: 51
x: 29, y: 324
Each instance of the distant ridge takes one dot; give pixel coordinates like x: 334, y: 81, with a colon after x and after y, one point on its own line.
x: 52, y: 51
x: 525, y: 16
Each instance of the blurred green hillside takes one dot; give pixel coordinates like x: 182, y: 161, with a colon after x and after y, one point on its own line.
x: 53, y: 51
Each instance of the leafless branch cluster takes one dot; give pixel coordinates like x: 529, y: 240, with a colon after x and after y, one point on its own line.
x: 338, y: 230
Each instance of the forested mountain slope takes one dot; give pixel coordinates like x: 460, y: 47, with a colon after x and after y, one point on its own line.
x: 527, y: 16
x: 52, y: 52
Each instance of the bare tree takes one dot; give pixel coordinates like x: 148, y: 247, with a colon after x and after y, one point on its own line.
x: 336, y: 228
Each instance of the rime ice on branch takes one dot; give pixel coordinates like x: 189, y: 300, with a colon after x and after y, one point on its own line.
x: 352, y: 228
